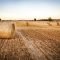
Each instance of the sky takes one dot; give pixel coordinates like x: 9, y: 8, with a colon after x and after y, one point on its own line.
x: 29, y: 9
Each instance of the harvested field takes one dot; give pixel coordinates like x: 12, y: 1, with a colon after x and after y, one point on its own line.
x: 32, y: 44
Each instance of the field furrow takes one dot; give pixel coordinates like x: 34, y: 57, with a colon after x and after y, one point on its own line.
x: 47, y: 45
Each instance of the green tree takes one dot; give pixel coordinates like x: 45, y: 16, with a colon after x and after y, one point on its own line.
x: 34, y: 19
x: 0, y: 19
x: 49, y: 19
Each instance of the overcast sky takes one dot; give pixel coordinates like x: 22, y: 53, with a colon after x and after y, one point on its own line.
x: 29, y: 9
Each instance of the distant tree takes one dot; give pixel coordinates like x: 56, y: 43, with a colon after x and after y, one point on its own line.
x: 49, y: 19
x: 0, y: 19
x: 34, y: 19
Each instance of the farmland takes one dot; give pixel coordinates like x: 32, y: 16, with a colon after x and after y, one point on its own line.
x: 33, y: 41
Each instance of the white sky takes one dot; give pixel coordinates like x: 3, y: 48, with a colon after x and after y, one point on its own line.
x: 24, y: 9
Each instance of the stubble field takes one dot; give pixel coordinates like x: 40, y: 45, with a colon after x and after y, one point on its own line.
x: 32, y: 43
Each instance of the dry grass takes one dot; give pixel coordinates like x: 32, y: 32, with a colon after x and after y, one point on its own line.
x: 37, y: 24
x: 20, y: 23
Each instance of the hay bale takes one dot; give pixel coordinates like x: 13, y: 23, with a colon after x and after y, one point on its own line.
x: 7, y: 30
x: 49, y: 24
x: 58, y: 24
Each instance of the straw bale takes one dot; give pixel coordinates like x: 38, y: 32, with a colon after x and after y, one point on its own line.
x: 7, y: 30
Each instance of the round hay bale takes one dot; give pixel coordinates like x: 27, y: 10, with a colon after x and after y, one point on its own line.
x: 7, y: 30
x: 49, y: 24
x: 58, y: 24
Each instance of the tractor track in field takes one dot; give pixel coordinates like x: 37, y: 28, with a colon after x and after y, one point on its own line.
x: 55, y: 34
x: 48, y: 46
x: 36, y: 54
